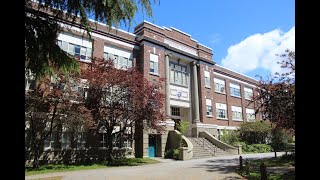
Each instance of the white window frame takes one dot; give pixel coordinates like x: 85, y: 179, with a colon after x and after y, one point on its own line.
x: 221, y: 107
x: 219, y: 86
x: 248, y: 93
x: 207, y: 79
x: 250, y: 115
x: 178, y: 77
x: 209, y: 107
x: 154, y: 64
x: 236, y: 113
x: 235, y: 87
x: 87, y: 50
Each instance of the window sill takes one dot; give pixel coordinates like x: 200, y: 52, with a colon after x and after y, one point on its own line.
x: 240, y: 120
x: 207, y: 87
x: 155, y: 74
x: 220, y: 92
x: 178, y: 85
x: 224, y: 119
x: 210, y: 116
x: 235, y: 96
x: 85, y: 61
x: 248, y: 99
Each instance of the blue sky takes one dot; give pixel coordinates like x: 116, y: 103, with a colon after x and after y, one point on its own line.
x: 244, y: 35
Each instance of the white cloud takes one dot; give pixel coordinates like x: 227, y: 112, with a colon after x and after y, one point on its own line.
x: 259, y: 51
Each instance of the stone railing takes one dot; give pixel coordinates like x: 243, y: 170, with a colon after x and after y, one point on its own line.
x: 220, y: 144
x: 185, y: 153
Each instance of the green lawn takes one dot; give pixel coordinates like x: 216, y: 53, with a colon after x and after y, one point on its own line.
x: 60, y: 168
x: 282, y: 162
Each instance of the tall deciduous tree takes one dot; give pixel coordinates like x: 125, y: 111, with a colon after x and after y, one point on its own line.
x: 122, y: 98
x: 276, y: 96
x: 48, y: 107
x: 42, y: 55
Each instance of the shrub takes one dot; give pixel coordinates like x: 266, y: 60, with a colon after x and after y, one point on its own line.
x: 176, y: 154
x: 168, y: 154
x: 172, y: 154
x: 256, y: 148
x: 229, y: 137
x: 255, y: 132
x: 279, y: 139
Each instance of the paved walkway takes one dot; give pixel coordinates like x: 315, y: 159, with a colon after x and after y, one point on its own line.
x: 198, y: 169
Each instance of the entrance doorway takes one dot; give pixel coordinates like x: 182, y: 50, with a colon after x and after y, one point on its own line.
x: 154, y: 149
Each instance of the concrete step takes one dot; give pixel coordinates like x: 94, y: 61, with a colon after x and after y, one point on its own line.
x: 202, y: 148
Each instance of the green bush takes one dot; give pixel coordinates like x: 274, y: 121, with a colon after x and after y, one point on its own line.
x: 176, y: 154
x: 238, y: 143
x: 229, y: 137
x: 256, y: 148
x: 255, y: 132
x: 172, y: 154
x: 168, y: 154
x: 279, y: 139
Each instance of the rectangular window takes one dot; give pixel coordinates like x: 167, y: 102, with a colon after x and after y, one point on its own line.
x: 50, y: 140
x: 178, y: 74
x: 207, y: 79
x: 235, y: 90
x: 250, y: 115
x: 248, y: 93
x: 175, y: 111
x: 221, y: 110
x: 209, y: 107
x: 66, y: 140
x: 81, y: 140
x: 81, y: 52
x: 219, y: 86
x: 120, y: 62
x: 236, y: 113
x: 103, y: 140
x: 154, y: 63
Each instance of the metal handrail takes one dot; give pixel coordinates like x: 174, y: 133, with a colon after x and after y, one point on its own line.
x: 210, y: 148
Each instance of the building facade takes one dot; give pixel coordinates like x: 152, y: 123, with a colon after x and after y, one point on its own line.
x: 210, y: 97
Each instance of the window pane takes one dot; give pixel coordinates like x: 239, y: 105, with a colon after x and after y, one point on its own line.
x: 76, y: 49
x: 71, y: 49
x: 65, y: 46
x: 105, y: 56
x: 88, y: 52
x: 83, y: 51
x: 129, y: 62
x: 59, y: 43
x: 172, y: 76
x: 156, y: 67
x: 151, y: 66
x: 125, y: 61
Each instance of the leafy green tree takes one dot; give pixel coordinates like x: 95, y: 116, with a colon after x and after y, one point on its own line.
x: 42, y: 55
x: 255, y: 132
x: 279, y: 139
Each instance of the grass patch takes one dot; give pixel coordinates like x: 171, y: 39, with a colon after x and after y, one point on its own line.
x: 282, y: 162
x: 62, y: 168
x: 272, y: 176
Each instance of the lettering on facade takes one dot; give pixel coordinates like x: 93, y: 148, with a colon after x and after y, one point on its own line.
x: 180, y: 47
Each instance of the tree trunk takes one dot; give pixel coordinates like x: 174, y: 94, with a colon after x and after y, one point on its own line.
x: 275, y: 153
x: 35, y: 163
x: 110, y: 148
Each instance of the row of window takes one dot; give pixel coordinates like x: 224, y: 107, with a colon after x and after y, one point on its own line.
x: 78, y: 140
x: 221, y: 111
x: 81, y: 52
x: 120, y: 62
x: 219, y: 87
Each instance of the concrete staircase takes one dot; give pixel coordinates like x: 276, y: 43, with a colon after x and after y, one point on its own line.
x: 202, y: 148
